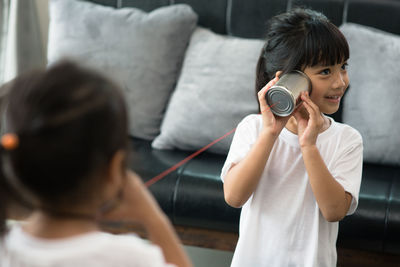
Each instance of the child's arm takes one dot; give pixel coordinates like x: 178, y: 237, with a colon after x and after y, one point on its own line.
x: 333, y: 201
x: 242, y: 179
x: 139, y: 205
x: 157, y: 224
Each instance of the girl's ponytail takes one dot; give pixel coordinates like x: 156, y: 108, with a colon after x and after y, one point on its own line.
x: 3, y: 196
x: 7, y: 142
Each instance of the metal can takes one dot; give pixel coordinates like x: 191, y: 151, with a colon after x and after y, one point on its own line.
x: 284, y: 96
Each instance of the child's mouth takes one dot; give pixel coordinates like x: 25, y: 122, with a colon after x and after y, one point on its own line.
x: 333, y: 99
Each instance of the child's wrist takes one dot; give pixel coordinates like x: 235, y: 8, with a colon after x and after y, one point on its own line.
x: 308, y: 148
x: 269, y: 133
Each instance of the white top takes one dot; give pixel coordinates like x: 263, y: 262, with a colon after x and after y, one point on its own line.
x: 93, y: 249
x: 281, y: 224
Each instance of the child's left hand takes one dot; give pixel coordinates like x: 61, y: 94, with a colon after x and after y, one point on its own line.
x: 308, y: 125
x: 136, y: 204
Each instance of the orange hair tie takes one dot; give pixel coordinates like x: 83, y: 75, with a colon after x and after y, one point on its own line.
x: 9, y: 141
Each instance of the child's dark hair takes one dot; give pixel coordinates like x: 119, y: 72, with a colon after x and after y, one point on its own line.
x: 69, y: 122
x: 297, y: 39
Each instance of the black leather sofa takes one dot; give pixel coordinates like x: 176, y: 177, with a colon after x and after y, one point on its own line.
x: 192, y: 194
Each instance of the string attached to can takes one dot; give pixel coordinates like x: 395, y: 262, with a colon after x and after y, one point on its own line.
x: 195, y: 154
x: 180, y: 163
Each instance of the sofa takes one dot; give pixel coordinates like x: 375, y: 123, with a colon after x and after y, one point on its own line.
x: 191, y: 192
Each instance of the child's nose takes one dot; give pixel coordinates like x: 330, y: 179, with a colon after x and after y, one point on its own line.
x: 339, y: 80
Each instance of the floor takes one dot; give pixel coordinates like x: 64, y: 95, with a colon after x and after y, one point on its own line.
x: 203, y: 257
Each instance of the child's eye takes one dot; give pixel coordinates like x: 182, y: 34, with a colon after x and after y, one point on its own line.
x: 344, y: 66
x: 325, y: 72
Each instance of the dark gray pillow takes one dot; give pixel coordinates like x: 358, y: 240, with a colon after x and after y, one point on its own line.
x: 214, y: 92
x: 371, y: 105
x: 141, y: 51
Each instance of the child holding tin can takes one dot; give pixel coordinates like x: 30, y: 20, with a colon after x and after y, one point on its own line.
x: 295, y: 177
x: 65, y: 152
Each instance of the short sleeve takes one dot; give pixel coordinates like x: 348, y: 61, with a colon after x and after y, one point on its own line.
x: 348, y: 167
x: 245, y: 136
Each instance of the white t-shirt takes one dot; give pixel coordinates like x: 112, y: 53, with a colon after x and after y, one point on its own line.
x: 19, y: 249
x: 281, y: 224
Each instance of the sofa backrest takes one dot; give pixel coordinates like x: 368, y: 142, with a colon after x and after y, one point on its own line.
x: 247, y: 18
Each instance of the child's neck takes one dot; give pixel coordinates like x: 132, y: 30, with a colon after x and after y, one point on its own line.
x: 42, y: 225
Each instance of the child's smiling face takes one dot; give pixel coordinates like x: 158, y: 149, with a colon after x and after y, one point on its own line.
x: 328, y: 85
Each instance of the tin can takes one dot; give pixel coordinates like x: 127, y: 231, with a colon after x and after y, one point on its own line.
x: 284, y: 96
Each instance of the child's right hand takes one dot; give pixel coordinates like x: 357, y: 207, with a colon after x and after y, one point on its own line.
x: 271, y: 124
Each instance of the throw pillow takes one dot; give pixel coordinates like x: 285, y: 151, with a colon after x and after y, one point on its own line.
x: 214, y: 92
x: 371, y: 105
x: 143, y: 52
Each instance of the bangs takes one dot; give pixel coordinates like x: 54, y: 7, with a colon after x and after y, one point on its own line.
x: 324, y: 45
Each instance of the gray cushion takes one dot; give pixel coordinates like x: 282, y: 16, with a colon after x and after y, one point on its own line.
x: 142, y: 51
x: 372, y: 103
x: 214, y: 92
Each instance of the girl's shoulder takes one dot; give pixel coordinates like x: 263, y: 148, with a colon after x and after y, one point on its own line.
x: 251, y: 120
x: 134, y: 247
x: 251, y: 124
x: 118, y: 249
x: 346, y: 131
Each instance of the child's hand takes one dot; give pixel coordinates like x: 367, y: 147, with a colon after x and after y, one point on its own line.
x: 308, y: 125
x: 271, y: 123
x: 136, y: 203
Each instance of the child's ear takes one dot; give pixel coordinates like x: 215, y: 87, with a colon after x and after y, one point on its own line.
x: 117, y: 172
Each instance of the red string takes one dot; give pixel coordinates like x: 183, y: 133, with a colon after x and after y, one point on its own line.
x: 180, y: 163
x: 166, y: 172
